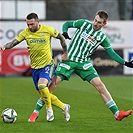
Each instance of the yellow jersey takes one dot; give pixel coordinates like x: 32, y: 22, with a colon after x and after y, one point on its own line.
x: 39, y: 45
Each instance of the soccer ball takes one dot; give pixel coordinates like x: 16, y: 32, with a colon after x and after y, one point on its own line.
x: 9, y: 115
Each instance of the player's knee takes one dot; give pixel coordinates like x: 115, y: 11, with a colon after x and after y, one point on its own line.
x: 101, y: 87
x: 42, y: 86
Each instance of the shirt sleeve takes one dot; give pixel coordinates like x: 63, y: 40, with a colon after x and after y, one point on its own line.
x: 106, y: 43
x: 107, y: 46
x: 21, y: 36
x: 115, y: 56
x: 53, y: 32
x: 72, y: 24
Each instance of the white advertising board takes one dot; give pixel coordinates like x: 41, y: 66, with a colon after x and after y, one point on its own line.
x: 128, y: 56
x: 119, y: 32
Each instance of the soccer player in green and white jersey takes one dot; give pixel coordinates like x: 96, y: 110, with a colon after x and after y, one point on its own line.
x: 38, y: 38
x: 84, y: 42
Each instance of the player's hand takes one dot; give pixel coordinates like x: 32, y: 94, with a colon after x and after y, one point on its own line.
x: 65, y: 34
x: 65, y: 56
x: 129, y: 64
x: 2, y: 48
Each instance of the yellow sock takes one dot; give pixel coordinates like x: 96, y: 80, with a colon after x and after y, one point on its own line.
x: 45, y: 94
x: 56, y: 102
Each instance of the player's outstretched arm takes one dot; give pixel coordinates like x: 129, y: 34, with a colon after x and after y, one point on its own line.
x: 117, y: 58
x: 65, y: 27
x: 9, y: 45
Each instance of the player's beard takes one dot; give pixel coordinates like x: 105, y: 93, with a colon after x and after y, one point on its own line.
x: 35, y: 28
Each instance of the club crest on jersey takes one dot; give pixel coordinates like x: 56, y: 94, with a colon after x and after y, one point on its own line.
x: 42, y: 34
x: 88, y: 38
x: 98, y: 38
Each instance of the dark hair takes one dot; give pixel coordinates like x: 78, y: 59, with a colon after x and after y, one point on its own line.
x: 103, y: 14
x: 32, y: 15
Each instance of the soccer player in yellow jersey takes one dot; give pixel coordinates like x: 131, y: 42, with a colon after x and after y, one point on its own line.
x: 38, y: 38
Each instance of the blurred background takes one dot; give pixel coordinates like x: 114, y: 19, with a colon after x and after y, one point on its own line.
x: 65, y: 9
x: 55, y: 13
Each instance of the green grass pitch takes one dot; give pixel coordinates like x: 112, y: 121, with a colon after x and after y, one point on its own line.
x: 88, y: 112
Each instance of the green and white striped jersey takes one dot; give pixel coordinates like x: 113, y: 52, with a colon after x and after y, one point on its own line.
x: 85, y: 41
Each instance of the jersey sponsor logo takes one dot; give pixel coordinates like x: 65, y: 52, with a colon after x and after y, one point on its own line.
x: 64, y: 65
x: 86, y: 66
x: 88, y: 38
x: 37, y: 41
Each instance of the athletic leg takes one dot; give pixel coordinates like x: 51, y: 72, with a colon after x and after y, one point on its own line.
x: 41, y: 77
x: 56, y: 80
x: 44, y: 91
x: 45, y: 95
x: 55, y: 101
x: 104, y: 93
x: 40, y: 103
x: 64, y: 107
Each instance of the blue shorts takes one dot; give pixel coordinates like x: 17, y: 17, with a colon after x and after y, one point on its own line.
x: 47, y: 72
